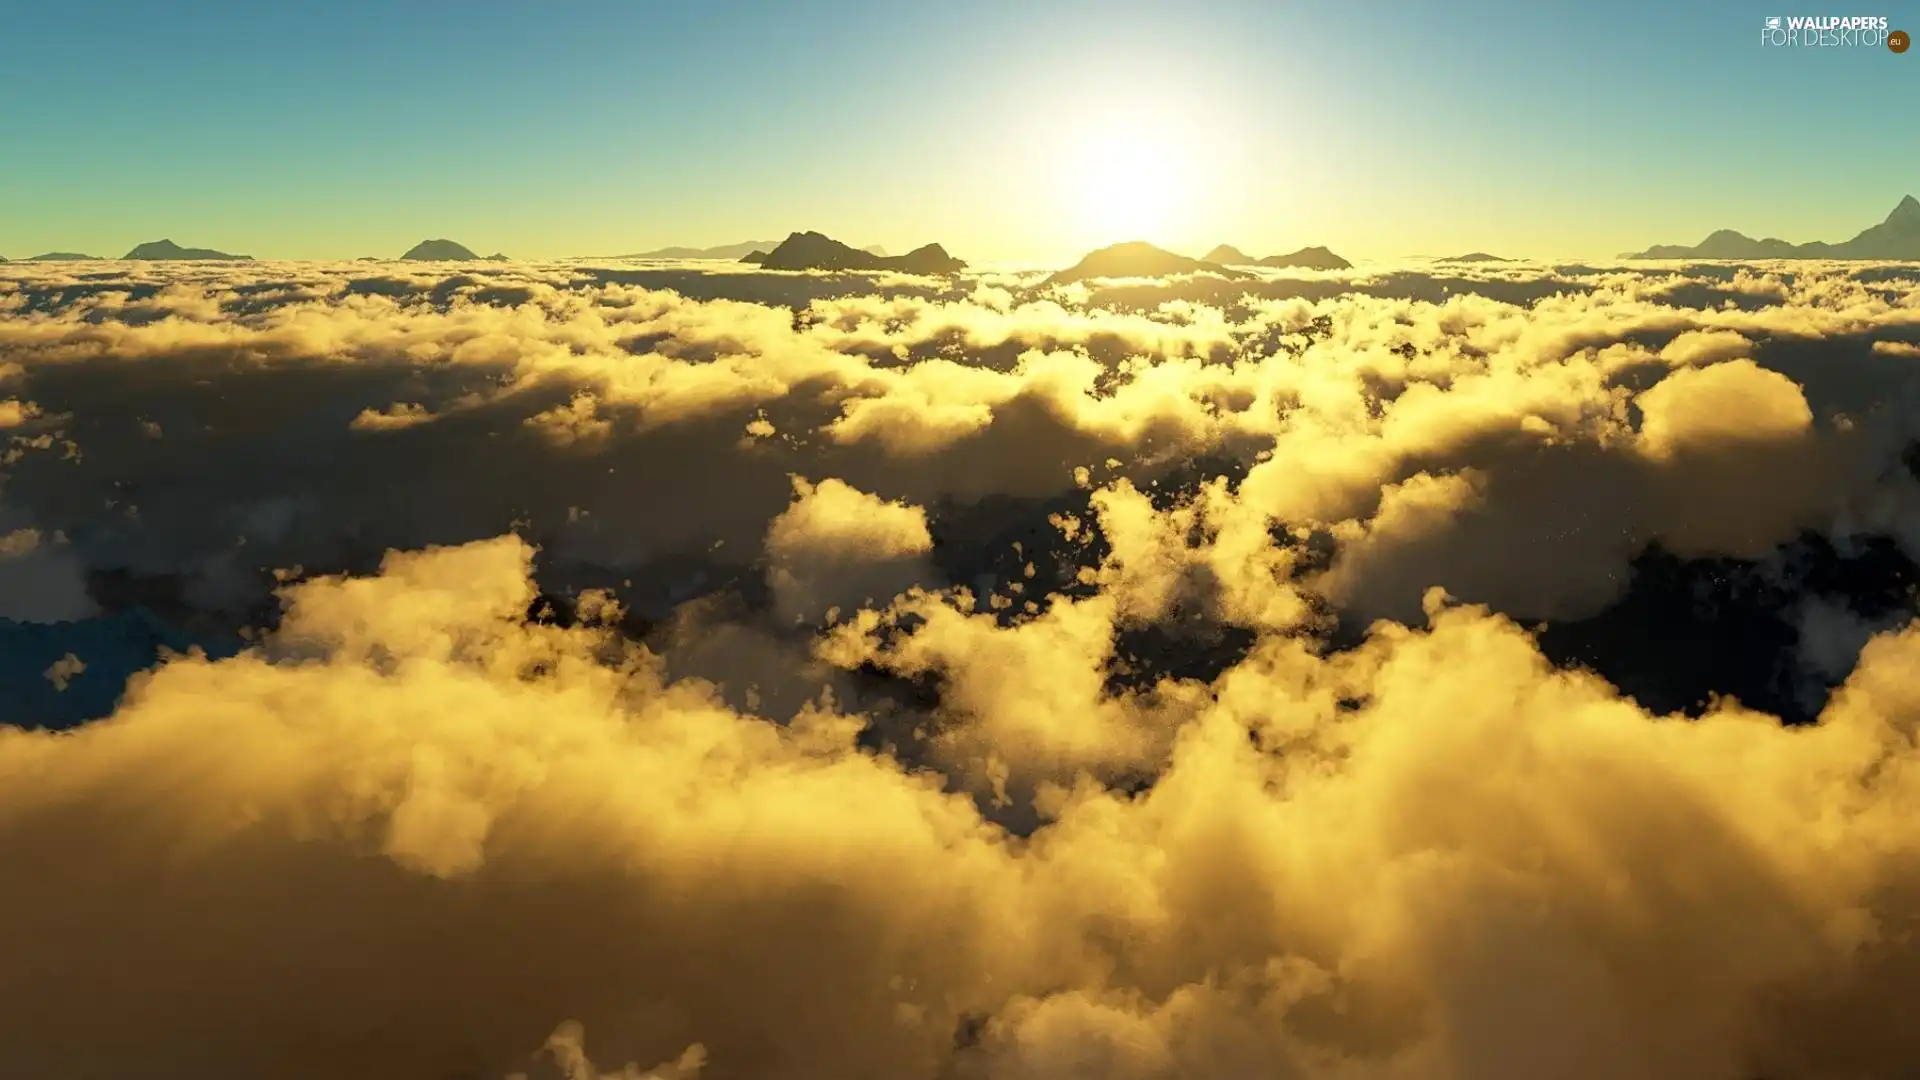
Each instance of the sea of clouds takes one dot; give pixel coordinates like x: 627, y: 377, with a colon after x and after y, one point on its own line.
x: 1424, y: 672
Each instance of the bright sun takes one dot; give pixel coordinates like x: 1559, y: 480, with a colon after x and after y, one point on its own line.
x: 1133, y: 175
x: 1126, y: 183
x: 1106, y: 153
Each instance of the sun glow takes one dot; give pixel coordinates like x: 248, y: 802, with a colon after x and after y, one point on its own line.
x: 1119, y: 148
x: 1128, y: 181
x: 1115, y: 168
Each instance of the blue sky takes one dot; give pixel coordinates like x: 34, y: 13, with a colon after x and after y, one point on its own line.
x: 303, y: 130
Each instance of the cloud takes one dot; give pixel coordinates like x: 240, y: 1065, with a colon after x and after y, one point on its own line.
x: 41, y: 579
x: 405, y: 772
x: 668, y: 674
x: 836, y: 549
x: 1710, y: 346
x: 564, y: 1057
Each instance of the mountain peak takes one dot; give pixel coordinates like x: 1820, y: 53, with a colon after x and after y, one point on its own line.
x: 439, y: 251
x: 1309, y: 258
x: 719, y: 252
x: 167, y: 249
x: 817, y: 251
x: 1137, y: 258
x: 1898, y: 237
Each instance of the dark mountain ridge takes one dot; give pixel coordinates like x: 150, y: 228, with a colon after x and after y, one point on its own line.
x: 440, y: 251
x: 817, y: 251
x: 1897, y: 237
x: 1307, y: 258
x: 1137, y: 258
x: 168, y: 250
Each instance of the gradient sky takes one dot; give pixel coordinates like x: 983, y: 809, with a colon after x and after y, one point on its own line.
x: 335, y: 130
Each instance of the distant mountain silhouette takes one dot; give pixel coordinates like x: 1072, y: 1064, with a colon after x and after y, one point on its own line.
x: 1474, y: 256
x: 1138, y: 259
x: 925, y: 259
x: 1898, y: 237
x: 814, y: 251
x: 64, y: 256
x: 875, y: 249
x: 497, y: 257
x: 1310, y: 258
x: 1228, y: 255
x: 754, y: 257
x: 439, y: 251
x: 167, y: 249
x: 724, y: 251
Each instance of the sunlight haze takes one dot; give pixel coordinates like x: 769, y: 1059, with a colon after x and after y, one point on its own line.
x: 1003, y: 130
